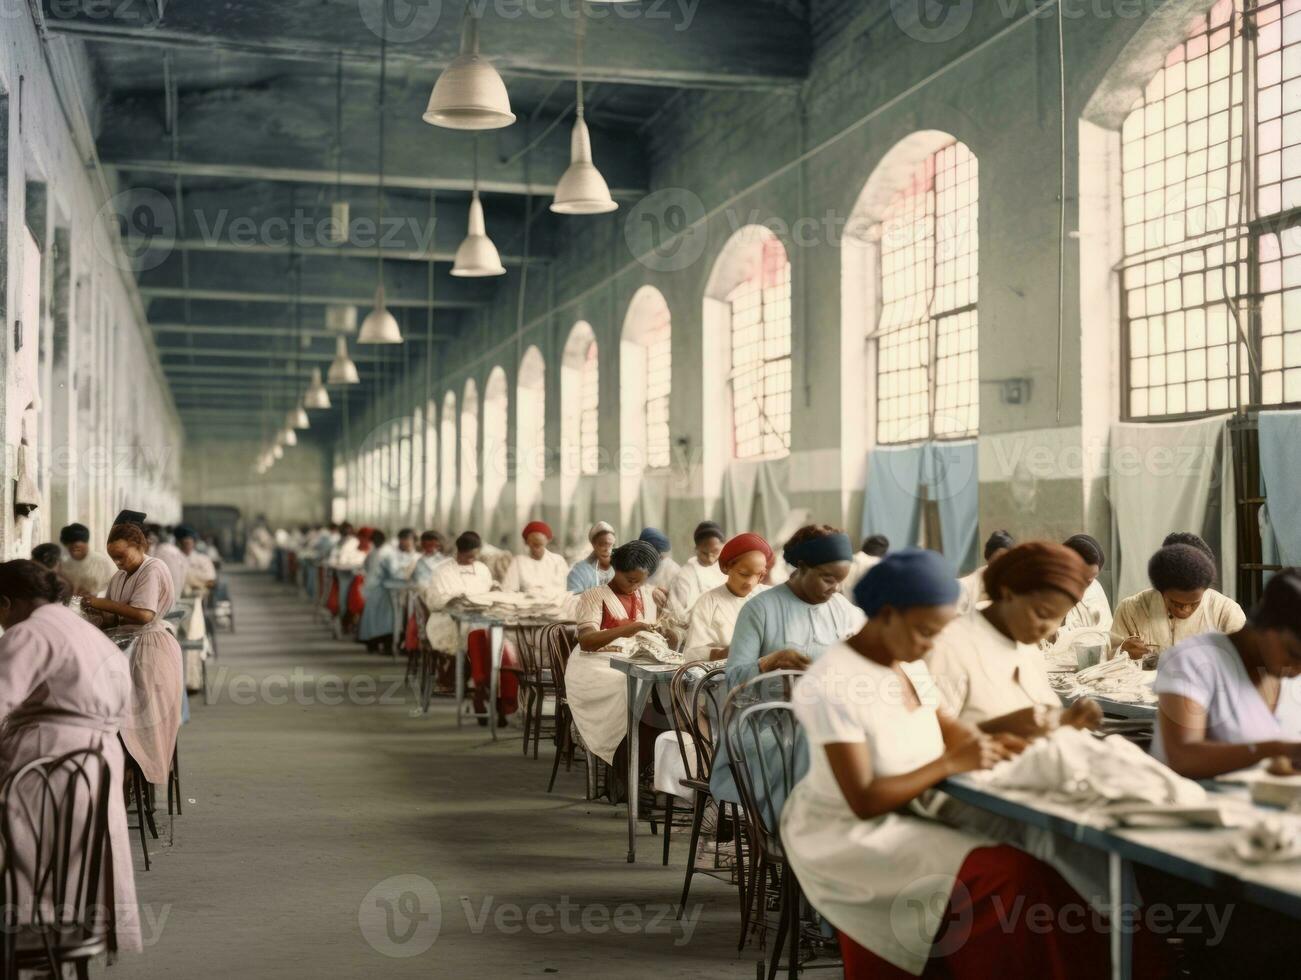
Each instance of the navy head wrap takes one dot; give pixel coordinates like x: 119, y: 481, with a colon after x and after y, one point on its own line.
x: 820, y: 550
x: 634, y: 556
x: 74, y: 533
x: 654, y: 536
x: 907, y: 578
x: 184, y: 531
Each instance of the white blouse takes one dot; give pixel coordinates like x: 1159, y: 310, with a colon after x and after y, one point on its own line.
x: 547, y: 574
x: 983, y: 674
x: 690, y: 584
x: 713, y: 618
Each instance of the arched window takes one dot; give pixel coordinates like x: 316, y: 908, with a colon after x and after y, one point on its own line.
x: 429, y: 512
x: 447, y: 466
x: 495, y: 412
x: 580, y: 401
x: 469, y: 450
x: 750, y: 290
x: 915, y: 264
x: 645, y: 379
x: 1210, y: 283
x: 530, y: 433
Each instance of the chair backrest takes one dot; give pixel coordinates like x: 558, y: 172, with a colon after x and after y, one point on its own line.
x: 54, y: 834
x: 697, y: 692
x: 764, y: 750
x: 531, y: 651
x: 558, y: 640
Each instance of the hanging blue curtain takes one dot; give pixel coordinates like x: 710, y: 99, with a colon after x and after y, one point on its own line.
x: 891, y: 503
x: 1280, y: 468
x: 953, y: 483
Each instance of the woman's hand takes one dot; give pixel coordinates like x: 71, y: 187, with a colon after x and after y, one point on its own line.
x: 661, y: 596
x: 1136, y: 647
x: 978, y: 752
x: 1014, y: 744
x: 1084, y: 713
x: 635, y: 627
x: 784, y: 660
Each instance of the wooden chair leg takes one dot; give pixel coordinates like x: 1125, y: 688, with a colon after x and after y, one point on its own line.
x: 782, y: 924
x: 528, y: 716
x: 562, y: 745
x: 136, y: 780
x: 697, y: 818
x: 668, y: 825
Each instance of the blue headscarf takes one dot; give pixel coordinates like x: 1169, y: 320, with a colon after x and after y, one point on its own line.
x: 907, y: 578
x: 819, y: 551
x: 656, y: 538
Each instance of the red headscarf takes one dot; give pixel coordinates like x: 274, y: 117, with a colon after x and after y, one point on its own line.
x: 538, y: 527
x: 363, y: 538
x: 743, y: 544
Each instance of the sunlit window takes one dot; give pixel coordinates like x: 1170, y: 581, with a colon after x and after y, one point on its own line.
x: 447, y: 465
x: 761, y: 356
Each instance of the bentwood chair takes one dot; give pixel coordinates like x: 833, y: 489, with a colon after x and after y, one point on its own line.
x: 697, y: 692
x: 536, y: 684
x: 58, y: 903
x: 765, y: 750
x: 558, y: 642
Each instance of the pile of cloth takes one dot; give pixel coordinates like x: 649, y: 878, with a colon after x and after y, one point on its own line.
x: 1119, y: 679
x: 513, y: 608
x: 1075, y: 766
x: 647, y: 646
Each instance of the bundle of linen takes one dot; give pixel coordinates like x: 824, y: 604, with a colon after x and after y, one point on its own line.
x: 647, y: 646
x: 1119, y: 679
x: 513, y: 608
x: 1078, y: 767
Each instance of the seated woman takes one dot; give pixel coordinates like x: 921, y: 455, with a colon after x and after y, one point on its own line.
x: 908, y: 895
x: 987, y: 662
x: 465, y: 575
x: 701, y: 572
x: 974, y: 593
x: 1180, y: 604
x: 745, y: 561
x: 598, y: 694
x: 1094, y: 609
x: 595, y: 569
x: 385, y: 573
x: 539, y: 570
x: 138, y: 599
x: 1229, y: 701
x: 64, y: 687
x: 788, y: 626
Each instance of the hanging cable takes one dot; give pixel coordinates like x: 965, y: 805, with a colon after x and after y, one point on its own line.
x: 1061, y: 208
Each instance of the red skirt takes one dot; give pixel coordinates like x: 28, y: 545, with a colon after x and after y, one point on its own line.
x: 478, y: 650
x: 332, y: 600
x: 411, y: 638
x: 356, y: 603
x: 1018, y: 917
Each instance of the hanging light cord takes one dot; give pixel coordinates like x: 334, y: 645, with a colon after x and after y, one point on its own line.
x: 582, y: 35
x: 338, y: 130
x: 383, y: 76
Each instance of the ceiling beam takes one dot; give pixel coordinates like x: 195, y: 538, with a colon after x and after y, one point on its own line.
x: 359, y: 354
x: 285, y: 131
x: 271, y: 333
x: 241, y: 370
x: 269, y: 218
x: 738, y: 45
x: 255, y: 278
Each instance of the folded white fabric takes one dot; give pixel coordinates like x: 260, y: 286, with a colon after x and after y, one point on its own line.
x: 669, y: 770
x: 1077, y: 766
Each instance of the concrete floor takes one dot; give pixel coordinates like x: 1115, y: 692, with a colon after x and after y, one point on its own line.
x: 317, y: 807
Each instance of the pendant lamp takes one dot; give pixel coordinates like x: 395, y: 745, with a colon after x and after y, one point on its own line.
x: 582, y: 189
x: 341, y: 318
x: 342, y: 371
x: 477, y: 256
x: 276, y: 451
x: 469, y: 94
x: 317, y: 397
x: 296, y: 418
x: 288, y: 437
x: 380, y: 327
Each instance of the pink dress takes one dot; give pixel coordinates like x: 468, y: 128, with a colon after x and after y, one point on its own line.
x: 155, y: 713
x: 64, y: 686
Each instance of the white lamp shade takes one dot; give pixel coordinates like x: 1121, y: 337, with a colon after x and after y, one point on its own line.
x: 337, y: 232
x: 317, y: 397
x: 296, y: 418
x: 582, y: 189
x: 276, y: 451
x: 342, y: 371
x: 477, y: 255
x: 341, y: 318
x: 469, y: 94
x: 288, y: 436
x: 379, y: 327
